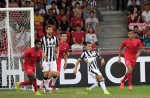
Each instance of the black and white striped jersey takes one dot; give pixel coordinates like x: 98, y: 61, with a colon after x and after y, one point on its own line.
x: 48, y: 46
x: 93, y: 56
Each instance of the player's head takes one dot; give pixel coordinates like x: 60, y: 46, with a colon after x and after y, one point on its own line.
x: 88, y: 46
x: 63, y: 36
x: 135, y: 28
x: 37, y: 44
x: 49, y: 29
x: 131, y: 34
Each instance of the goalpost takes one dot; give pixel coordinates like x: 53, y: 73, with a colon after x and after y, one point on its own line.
x: 16, y: 36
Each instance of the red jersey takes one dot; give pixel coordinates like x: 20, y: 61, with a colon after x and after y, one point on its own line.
x: 63, y: 48
x: 78, y: 37
x: 76, y: 21
x: 31, y: 56
x: 131, y: 48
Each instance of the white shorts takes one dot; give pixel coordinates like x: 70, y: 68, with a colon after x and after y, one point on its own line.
x: 49, y: 66
x: 93, y: 73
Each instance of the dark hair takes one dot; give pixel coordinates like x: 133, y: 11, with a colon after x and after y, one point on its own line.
x: 36, y: 10
x: 87, y: 43
x: 53, y: 2
x: 130, y: 31
x: 77, y: 3
x: 48, y: 26
x: 135, y: 26
x: 63, y: 33
x: 89, y: 30
x: 91, y: 12
x: 37, y: 41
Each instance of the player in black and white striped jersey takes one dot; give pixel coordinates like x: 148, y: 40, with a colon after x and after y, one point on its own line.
x: 91, y: 58
x: 51, y: 48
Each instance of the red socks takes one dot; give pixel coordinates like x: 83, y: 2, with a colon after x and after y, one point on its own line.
x: 124, y: 78
x: 34, y: 85
x: 27, y: 82
x: 129, y: 76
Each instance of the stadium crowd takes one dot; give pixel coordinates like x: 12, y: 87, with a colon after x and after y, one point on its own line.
x: 138, y: 17
x: 75, y: 17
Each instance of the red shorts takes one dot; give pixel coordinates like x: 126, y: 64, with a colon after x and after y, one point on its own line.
x: 59, y: 64
x: 130, y: 63
x: 29, y: 71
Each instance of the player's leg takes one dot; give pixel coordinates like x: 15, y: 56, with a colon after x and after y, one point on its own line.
x: 46, y: 74
x: 32, y: 78
x: 101, y: 83
x: 27, y: 71
x: 129, y: 76
x: 53, y: 68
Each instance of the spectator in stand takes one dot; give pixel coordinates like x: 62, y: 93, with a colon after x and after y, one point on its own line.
x: 78, y: 38
x: 76, y: 20
x: 93, y: 4
x: 53, y: 6
x: 146, y: 15
x: 143, y: 5
x: 138, y: 33
x: 41, y: 10
x: 27, y: 3
x: 64, y: 24
x: 84, y: 4
x: 86, y: 11
x: 136, y: 29
x: 147, y: 40
x: 78, y: 9
x: 132, y: 7
x: 50, y: 18
x: 91, y: 37
x: 91, y: 22
x: 109, y: 4
x: 38, y: 19
x: 75, y: 1
x: 59, y: 16
x: 134, y: 17
x: 48, y: 2
x: 13, y: 3
x: 144, y: 31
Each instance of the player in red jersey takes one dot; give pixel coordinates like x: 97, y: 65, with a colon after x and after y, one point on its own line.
x: 31, y: 57
x: 131, y: 53
x: 63, y: 51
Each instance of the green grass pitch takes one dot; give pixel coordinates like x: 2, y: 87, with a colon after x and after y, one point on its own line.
x: 137, y: 92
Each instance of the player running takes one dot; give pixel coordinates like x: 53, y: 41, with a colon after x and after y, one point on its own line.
x: 31, y: 57
x: 131, y: 53
x: 90, y: 57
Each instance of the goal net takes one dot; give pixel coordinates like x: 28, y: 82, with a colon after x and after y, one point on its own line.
x: 16, y: 36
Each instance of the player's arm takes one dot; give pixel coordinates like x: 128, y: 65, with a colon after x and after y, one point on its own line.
x: 140, y: 50
x: 57, y: 48
x: 40, y: 64
x: 76, y: 66
x: 44, y: 55
x: 120, y: 51
x: 65, y: 59
x: 102, y: 60
x: 25, y: 55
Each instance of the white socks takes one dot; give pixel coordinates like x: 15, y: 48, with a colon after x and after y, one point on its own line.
x: 54, y: 81
x: 46, y: 82
x: 94, y: 86
x: 102, y: 84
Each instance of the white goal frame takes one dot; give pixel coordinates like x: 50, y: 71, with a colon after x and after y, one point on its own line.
x: 7, y: 10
